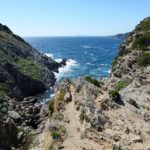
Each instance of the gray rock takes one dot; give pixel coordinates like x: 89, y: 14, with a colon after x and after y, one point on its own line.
x: 14, y: 115
x: 4, y: 109
x: 8, y: 134
x: 5, y: 104
x: 20, y: 136
x: 67, y: 97
x: 146, y: 117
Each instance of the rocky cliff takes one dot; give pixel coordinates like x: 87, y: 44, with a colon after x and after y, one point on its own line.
x: 24, y: 72
x: 111, y: 114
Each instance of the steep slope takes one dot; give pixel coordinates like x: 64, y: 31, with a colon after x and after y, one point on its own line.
x: 23, y: 70
x: 112, y: 114
x: 132, y: 66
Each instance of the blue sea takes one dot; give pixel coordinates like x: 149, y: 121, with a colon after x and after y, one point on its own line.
x: 88, y: 56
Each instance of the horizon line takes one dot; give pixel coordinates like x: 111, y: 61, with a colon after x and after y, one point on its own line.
x: 74, y: 35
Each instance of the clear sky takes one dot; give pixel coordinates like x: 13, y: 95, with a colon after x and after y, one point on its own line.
x: 72, y: 17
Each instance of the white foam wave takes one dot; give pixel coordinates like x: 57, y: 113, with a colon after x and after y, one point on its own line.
x: 58, y: 60
x: 49, y: 55
x: 101, y: 65
x: 88, y: 63
x: 66, y: 69
x: 108, y: 71
x: 85, y: 46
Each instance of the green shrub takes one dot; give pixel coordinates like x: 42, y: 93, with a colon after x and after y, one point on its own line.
x: 56, y: 134
x: 145, y: 25
x: 143, y: 59
x: 30, y: 68
x: 51, y: 106
x: 114, y: 61
x: 29, y: 138
x: 61, y: 96
x: 142, y: 42
x: 94, y: 81
x: 133, y: 102
x: 114, y: 94
x: 122, y: 84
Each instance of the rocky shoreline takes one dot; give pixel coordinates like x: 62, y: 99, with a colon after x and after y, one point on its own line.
x: 24, y: 73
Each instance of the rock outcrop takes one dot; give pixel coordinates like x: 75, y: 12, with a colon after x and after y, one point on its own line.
x: 24, y: 73
x: 85, y: 113
x: 112, y: 114
x: 23, y: 70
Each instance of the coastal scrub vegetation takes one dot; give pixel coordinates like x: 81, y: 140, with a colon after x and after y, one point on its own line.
x: 55, y: 134
x: 54, y: 107
x: 133, y: 102
x: 94, y: 81
x: 61, y: 96
x: 122, y: 84
x: 29, y: 139
x: 143, y: 59
x: 51, y: 106
x: 114, y: 94
x: 144, y: 25
x: 114, y: 61
x: 142, y: 42
x: 30, y: 68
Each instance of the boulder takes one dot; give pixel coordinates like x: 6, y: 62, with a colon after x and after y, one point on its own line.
x: 8, y: 134
x: 14, y: 115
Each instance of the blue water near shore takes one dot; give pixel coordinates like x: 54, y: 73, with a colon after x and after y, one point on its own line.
x: 87, y: 55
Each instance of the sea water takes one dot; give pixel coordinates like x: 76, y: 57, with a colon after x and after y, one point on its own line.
x: 87, y: 56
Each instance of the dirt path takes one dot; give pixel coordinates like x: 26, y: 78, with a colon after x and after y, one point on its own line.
x: 75, y: 140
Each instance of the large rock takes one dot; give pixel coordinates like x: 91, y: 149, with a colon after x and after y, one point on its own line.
x: 14, y: 115
x: 8, y: 134
x: 23, y: 70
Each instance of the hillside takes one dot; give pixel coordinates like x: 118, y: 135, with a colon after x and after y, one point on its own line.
x: 111, y: 114
x: 23, y: 70
x: 24, y: 73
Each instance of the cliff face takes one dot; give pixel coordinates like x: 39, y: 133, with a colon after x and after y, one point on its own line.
x: 131, y: 68
x: 134, y: 53
x: 112, y: 114
x: 23, y: 70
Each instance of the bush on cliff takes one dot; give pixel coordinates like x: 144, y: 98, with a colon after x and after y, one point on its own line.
x: 133, y: 102
x: 56, y: 135
x: 122, y: 84
x: 142, y: 42
x: 30, y: 68
x: 143, y: 59
x: 114, y: 94
x: 61, y: 96
x: 51, y: 106
x: 94, y: 81
x: 144, y: 25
